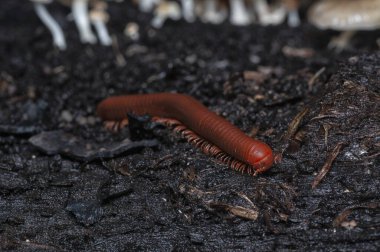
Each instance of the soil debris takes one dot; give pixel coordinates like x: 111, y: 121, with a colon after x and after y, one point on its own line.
x: 60, y: 142
x: 159, y: 198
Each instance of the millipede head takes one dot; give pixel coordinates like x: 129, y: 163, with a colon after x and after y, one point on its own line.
x: 260, y: 156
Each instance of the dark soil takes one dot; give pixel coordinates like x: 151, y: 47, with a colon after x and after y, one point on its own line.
x: 172, y: 196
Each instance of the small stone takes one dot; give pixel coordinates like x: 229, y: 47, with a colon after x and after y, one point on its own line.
x: 91, y: 120
x: 66, y: 116
x: 81, y: 120
x: 353, y: 60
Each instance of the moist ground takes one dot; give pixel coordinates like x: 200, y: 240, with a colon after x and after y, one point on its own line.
x: 276, y: 83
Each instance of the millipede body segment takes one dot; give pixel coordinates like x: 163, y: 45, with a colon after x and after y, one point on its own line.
x: 200, y: 126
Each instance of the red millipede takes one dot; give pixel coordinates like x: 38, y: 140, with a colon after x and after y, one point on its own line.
x: 213, y: 134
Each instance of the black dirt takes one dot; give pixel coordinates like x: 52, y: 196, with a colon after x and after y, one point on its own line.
x: 172, y: 196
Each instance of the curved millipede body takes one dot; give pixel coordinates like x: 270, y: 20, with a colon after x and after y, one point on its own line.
x: 200, y: 126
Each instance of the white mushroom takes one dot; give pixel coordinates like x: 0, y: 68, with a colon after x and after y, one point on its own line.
x: 166, y: 10
x: 347, y: 16
x: 292, y: 9
x: 238, y: 13
x: 210, y: 11
x: 293, y: 18
x: 50, y: 23
x: 81, y: 18
x: 99, y: 17
x: 267, y: 15
x: 188, y: 10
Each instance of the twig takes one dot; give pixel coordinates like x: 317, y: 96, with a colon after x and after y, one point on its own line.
x: 312, y: 80
x: 326, y: 128
x: 327, y: 166
x: 323, y: 117
x: 294, y: 124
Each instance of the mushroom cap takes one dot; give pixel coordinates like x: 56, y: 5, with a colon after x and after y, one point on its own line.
x: 169, y: 9
x: 99, y: 15
x: 343, y: 15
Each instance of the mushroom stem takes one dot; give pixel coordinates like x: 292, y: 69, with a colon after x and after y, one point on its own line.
x: 51, y: 24
x: 342, y: 41
x: 101, y: 29
x: 188, y: 10
x: 164, y: 11
x: 269, y: 17
x: 210, y: 13
x: 293, y: 18
x: 81, y: 18
x: 292, y: 7
x: 239, y: 14
x: 99, y: 18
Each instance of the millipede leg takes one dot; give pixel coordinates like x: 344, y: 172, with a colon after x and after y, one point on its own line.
x: 205, y: 146
x: 115, y: 126
x: 193, y: 138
